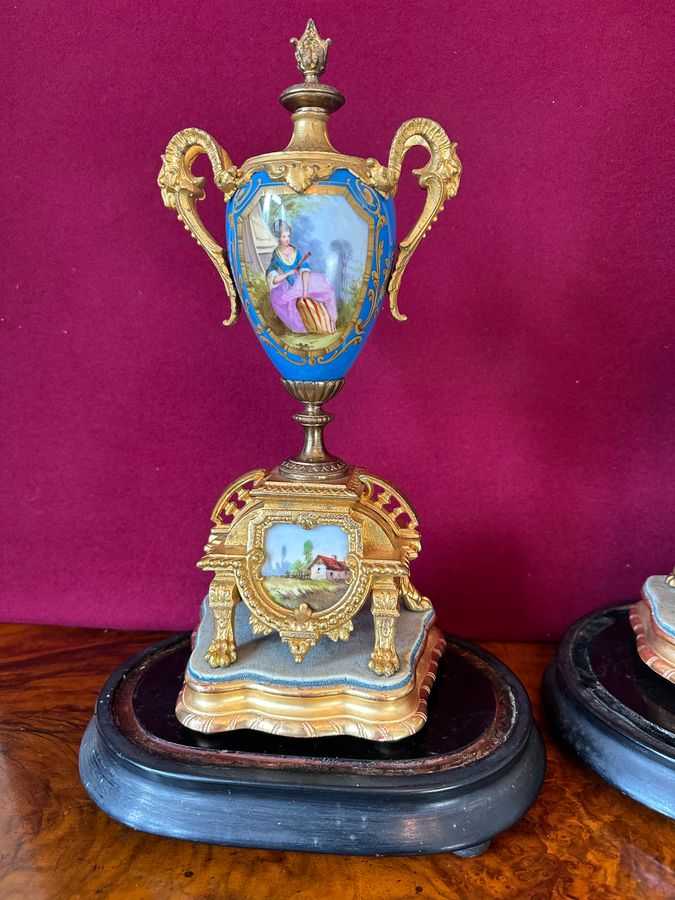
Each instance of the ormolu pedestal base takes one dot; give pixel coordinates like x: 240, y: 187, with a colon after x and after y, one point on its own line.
x: 332, y: 692
x: 470, y: 773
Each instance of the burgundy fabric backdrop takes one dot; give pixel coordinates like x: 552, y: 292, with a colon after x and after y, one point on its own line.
x: 527, y: 406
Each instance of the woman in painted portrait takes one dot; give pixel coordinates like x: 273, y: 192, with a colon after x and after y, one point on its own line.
x: 304, y: 300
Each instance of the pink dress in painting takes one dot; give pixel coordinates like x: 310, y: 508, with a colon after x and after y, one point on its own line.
x: 284, y: 296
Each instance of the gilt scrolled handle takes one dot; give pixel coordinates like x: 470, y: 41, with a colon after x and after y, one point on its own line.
x: 181, y: 190
x: 439, y: 177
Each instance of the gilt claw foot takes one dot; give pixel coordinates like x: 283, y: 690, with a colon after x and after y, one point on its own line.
x: 384, y: 662
x: 221, y: 654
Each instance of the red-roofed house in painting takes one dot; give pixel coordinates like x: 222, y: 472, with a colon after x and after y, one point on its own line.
x: 328, y: 567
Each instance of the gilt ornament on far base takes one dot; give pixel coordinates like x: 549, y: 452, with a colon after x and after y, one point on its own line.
x: 653, y: 621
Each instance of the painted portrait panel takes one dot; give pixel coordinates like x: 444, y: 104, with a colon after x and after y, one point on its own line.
x: 304, y: 262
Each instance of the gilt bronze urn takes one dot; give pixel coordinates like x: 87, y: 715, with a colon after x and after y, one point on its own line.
x: 309, y: 252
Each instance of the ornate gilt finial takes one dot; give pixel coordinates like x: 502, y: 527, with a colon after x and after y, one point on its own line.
x: 311, y: 53
x: 670, y: 579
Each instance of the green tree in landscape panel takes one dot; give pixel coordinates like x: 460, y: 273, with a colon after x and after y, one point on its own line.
x: 308, y: 550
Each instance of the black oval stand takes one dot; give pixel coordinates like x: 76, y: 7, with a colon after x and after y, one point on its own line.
x: 616, y: 713
x: 472, y: 772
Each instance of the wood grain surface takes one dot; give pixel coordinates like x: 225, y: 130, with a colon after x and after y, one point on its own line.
x: 581, y: 839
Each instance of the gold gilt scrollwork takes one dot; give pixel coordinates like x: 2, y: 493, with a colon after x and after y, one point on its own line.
x: 412, y: 598
x: 236, y: 496
x: 439, y: 177
x: 299, y: 176
x: 181, y: 190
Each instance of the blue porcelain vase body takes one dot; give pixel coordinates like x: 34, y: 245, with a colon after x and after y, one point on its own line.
x: 311, y: 268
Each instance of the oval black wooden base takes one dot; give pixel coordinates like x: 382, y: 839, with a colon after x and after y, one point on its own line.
x: 614, y: 711
x: 473, y: 770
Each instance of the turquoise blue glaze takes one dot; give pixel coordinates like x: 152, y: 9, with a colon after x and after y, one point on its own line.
x: 334, y: 363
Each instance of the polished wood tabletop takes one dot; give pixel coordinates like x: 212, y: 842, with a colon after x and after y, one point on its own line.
x: 581, y: 838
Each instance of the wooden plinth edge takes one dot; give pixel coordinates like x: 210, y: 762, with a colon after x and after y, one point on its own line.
x: 456, y: 800
x: 634, y: 754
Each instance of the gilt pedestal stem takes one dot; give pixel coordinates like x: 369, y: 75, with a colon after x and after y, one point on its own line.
x: 314, y: 462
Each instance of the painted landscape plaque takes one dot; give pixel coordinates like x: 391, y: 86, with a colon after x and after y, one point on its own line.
x: 305, y: 566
